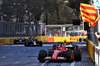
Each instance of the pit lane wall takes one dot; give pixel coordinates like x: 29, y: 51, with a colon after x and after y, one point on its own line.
x: 91, y: 48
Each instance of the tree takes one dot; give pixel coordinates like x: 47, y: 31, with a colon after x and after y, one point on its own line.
x: 11, y: 8
x: 75, y: 4
x: 58, y: 12
x: 55, y: 11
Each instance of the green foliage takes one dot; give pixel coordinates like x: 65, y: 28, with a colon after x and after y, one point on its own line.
x: 75, y: 4
x: 57, y: 10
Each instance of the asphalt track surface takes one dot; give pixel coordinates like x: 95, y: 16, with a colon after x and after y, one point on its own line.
x: 18, y: 55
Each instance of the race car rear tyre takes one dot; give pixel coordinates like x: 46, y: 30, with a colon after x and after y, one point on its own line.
x: 54, y: 46
x: 26, y: 43
x: 69, y: 55
x: 15, y: 41
x: 42, y: 54
x: 80, y: 40
x: 40, y: 42
x: 77, y: 55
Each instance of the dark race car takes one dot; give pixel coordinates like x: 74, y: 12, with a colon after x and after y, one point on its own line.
x: 32, y: 42
x: 67, y: 52
x: 19, y: 41
x: 80, y: 39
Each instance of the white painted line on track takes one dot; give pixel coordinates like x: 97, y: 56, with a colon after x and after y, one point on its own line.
x: 4, y: 57
x: 12, y: 54
x: 72, y: 64
x: 44, y: 63
x: 47, y: 44
x: 16, y: 62
x: 81, y: 44
x: 52, y: 44
x: 13, y: 45
x: 19, y: 52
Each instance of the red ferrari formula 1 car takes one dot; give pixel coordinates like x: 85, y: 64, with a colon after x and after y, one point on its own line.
x: 61, y: 52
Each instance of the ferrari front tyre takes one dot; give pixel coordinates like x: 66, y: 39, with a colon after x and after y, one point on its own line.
x: 42, y: 54
x: 77, y: 55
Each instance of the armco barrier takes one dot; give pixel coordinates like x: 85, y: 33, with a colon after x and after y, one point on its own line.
x: 91, y: 49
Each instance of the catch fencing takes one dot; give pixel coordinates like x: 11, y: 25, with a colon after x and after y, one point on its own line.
x: 17, y: 29
x: 61, y: 30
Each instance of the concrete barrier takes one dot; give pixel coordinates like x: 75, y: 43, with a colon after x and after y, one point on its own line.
x: 42, y: 38
x: 97, y: 56
x: 91, y: 48
x: 9, y: 40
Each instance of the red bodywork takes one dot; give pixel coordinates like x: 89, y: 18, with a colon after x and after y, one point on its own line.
x: 57, y: 50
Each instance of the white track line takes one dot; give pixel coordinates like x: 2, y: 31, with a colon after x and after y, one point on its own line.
x: 72, y: 64
x: 44, y: 63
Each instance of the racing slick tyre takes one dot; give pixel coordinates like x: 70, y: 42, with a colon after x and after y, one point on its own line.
x: 26, y: 43
x: 80, y: 40
x: 54, y: 46
x: 15, y: 41
x: 77, y: 55
x: 40, y: 42
x: 69, y: 55
x: 42, y: 54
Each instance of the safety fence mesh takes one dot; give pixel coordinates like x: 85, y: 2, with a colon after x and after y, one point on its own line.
x: 16, y: 29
